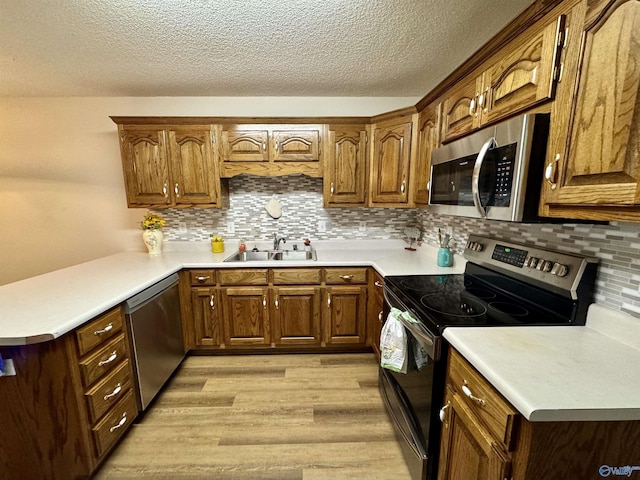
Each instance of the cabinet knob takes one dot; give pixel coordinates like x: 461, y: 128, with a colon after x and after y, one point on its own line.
x: 177, y: 190
x: 120, y: 424
x: 212, y: 302
x: 403, y: 187
x: 378, y: 284
x: 332, y: 188
x: 467, y: 391
x: 264, y: 301
x: 277, y: 303
x: 115, y: 392
x: 472, y: 106
x: 328, y: 299
x: 107, y: 361
x: 550, y: 172
x: 106, y: 329
x: 164, y: 189
x: 443, y: 413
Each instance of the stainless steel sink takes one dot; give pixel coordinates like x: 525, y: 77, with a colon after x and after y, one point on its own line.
x: 286, y: 255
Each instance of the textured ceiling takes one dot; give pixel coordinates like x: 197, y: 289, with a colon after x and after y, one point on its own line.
x: 373, y: 48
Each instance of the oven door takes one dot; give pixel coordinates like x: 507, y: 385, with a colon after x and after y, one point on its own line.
x: 412, y: 401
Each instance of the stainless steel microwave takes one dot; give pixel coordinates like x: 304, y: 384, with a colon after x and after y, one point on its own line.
x: 495, y: 173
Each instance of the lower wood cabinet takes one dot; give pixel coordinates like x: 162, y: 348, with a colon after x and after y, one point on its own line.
x: 485, y: 438
x: 72, y: 399
x: 286, y: 308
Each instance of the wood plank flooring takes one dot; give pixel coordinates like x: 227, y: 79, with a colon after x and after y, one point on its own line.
x: 264, y: 417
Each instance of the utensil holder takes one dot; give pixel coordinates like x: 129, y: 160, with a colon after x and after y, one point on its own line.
x: 445, y: 259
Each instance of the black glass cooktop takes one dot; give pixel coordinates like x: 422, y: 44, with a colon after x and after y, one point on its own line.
x: 476, y: 298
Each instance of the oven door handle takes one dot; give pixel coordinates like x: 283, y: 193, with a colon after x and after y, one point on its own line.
x: 475, y: 178
x: 423, y: 337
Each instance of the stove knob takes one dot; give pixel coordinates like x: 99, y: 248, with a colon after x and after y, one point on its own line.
x: 540, y: 264
x: 479, y: 247
x: 533, y: 261
x: 559, y: 269
x: 547, y: 266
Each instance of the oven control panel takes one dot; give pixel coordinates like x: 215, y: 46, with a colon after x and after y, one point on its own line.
x: 550, y: 268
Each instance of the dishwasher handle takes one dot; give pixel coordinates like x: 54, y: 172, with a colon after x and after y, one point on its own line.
x: 141, y: 299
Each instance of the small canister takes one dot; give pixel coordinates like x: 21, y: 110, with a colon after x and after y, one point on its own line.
x: 444, y: 257
x: 217, y: 244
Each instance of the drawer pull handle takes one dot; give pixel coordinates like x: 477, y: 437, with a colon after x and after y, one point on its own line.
x: 202, y: 279
x: 443, y: 413
x: 111, y: 358
x: 467, y: 391
x: 120, y: 424
x: 106, y: 329
x: 115, y: 392
x: 346, y: 278
x: 378, y: 284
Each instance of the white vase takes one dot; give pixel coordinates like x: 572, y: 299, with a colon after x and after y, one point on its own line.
x: 153, y: 241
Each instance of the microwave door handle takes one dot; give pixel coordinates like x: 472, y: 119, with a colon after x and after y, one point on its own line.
x: 475, y: 179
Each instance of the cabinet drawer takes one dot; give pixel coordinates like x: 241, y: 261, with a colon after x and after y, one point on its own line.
x: 341, y: 276
x: 495, y: 413
x: 202, y: 277
x: 244, y: 276
x: 103, y: 361
x: 114, y: 424
x: 99, y: 330
x: 296, y: 276
x: 108, y: 391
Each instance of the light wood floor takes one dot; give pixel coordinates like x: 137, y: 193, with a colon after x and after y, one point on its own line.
x: 271, y: 417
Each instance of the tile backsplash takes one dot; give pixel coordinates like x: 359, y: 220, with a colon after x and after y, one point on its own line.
x: 616, y: 245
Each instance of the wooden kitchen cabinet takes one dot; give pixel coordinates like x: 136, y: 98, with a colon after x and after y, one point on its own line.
x: 168, y: 166
x: 345, y: 179
x: 271, y: 150
x: 390, y: 162
x: 296, y: 315
x: 485, y: 438
x: 428, y: 141
x: 246, y: 316
x: 594, y: 151
x: 345, y: 298
x: 518, y: 78
x: 71, y: 401
x: 206, y: 310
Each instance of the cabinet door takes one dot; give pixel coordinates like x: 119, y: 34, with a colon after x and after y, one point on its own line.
x: 346, y: 315
x: 145, y: 165
x: 600, y: 164
x: 461, y: 113
x: 524, y: 76
x: 192, y: 165
x: 246, y: 316
x: 296, y: 318
x: 245, y: 144
x: 295, y: 146
x: 428, y: 139
x: 205, y: 303
x: 390, y: 175
x: 467, y: 451
x: 346, y: 172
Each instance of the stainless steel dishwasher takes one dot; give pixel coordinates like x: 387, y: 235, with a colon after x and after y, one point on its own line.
x: 155, y: 329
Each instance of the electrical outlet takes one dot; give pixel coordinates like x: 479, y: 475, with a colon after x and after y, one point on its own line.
x: 231, y: 227
x: 182, y: 227
x: 322, y: 226
x: 362, y: 226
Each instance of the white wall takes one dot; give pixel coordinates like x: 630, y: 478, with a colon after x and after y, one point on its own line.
x: 62, y: 199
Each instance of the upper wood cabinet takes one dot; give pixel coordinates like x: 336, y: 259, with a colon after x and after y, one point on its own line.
x: 390, y: 163
x: 594, y: 151
x: 428, y: 140
x: 522, y: 75
x: 271, y: 150
x: 345, y: 179
x: 169, y: 166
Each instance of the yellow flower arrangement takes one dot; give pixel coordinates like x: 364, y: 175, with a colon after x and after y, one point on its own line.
x: 152, y: 222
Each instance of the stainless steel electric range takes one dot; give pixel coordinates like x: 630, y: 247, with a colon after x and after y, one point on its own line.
x: 504, y: 284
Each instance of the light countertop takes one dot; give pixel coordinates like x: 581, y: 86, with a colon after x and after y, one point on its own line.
x: 45, y: 307
x: 561, y: 373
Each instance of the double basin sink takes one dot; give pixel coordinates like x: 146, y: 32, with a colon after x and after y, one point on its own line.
x: 267, y: 256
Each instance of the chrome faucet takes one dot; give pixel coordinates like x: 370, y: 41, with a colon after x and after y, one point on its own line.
x: 277, y: 240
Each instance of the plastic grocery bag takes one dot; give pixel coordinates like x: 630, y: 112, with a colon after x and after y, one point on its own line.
x: 393, y: 343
